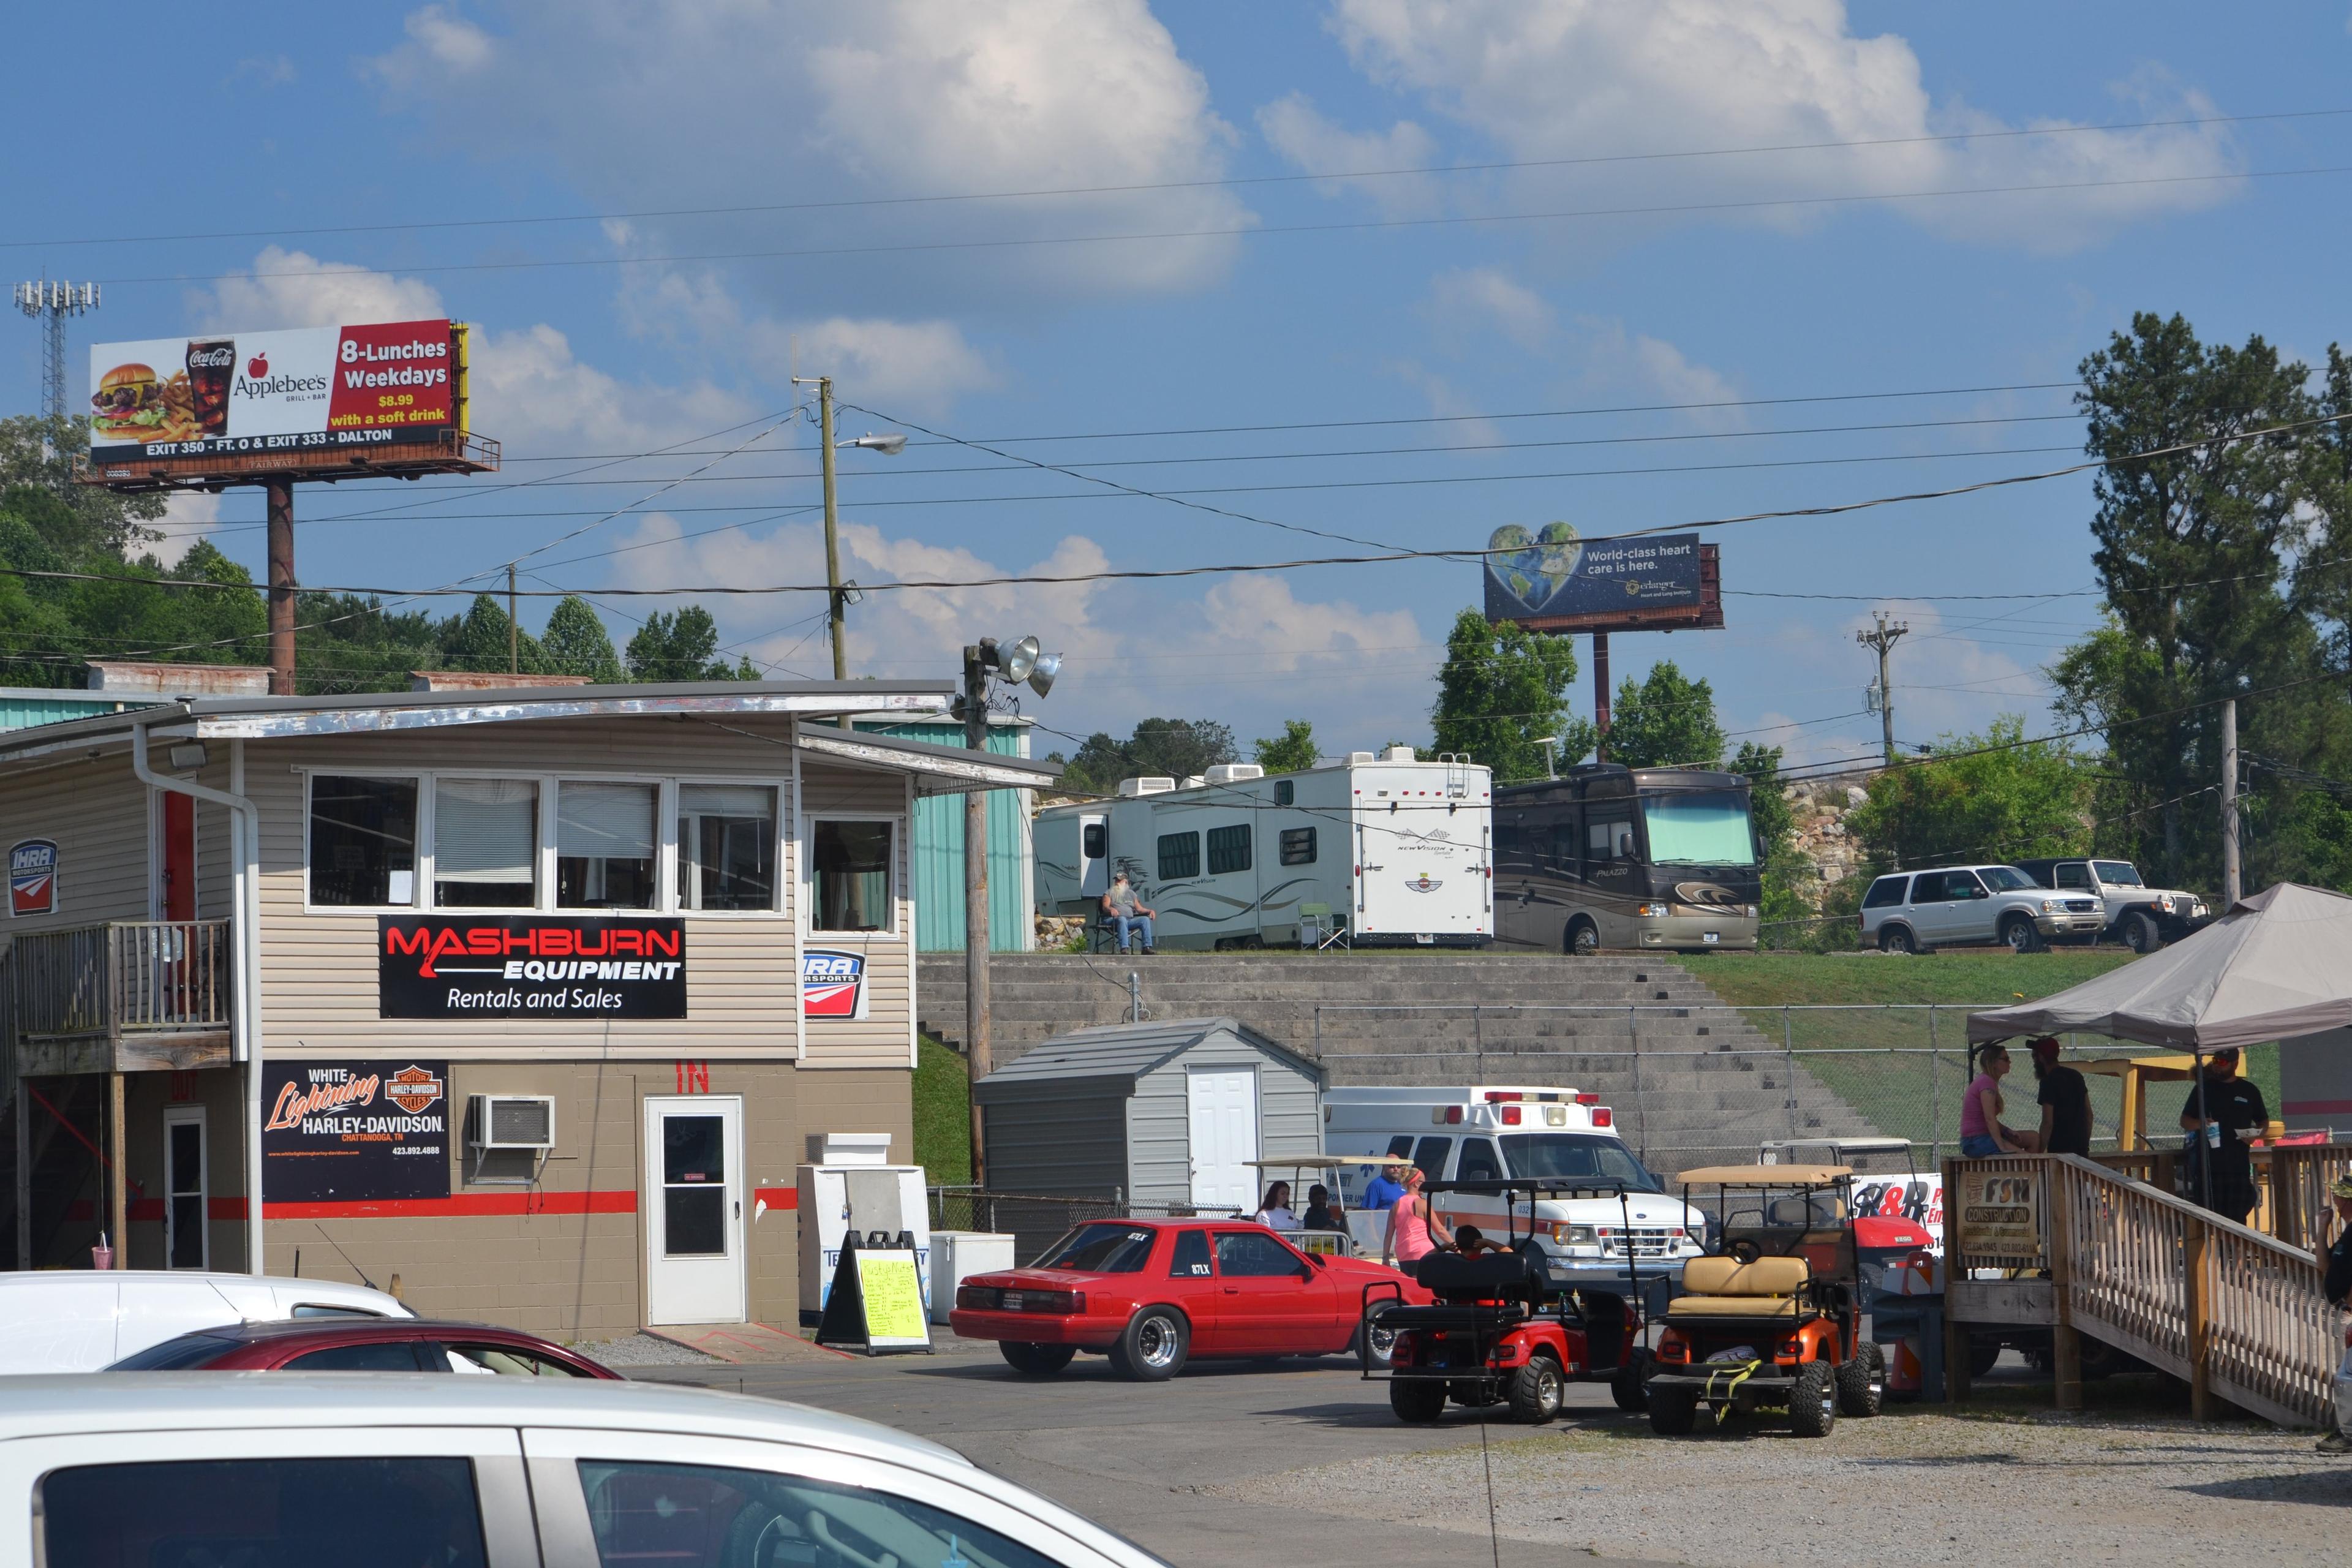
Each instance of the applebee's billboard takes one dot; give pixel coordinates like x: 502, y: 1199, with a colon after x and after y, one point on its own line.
x: 312, y: 389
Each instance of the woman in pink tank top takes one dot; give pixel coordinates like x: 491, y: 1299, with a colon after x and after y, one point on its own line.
x: 1414, y: 1231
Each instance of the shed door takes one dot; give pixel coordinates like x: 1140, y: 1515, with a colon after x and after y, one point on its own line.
x: 1223, y: 1103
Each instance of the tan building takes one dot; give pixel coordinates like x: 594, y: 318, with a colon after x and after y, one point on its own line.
x: 547, y: 987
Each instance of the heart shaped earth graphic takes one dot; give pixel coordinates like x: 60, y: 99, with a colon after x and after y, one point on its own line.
x: 1534, y: 567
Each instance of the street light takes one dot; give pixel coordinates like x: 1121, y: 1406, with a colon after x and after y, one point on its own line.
x: 1016, y: 661
x: 889, y: 446
x: 837, y: 593
x: 1547, y: 741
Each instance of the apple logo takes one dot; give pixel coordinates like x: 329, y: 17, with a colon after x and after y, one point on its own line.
x: 258, y: 366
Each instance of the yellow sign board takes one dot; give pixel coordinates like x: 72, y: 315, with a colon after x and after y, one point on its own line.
x: 1999, y: 1217
x: 894, y: 1300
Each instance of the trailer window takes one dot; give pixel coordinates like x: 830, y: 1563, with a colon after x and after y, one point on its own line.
x: 1092, y: 841
x: 1298, y: 846
x: 1229, y: 849
x: 1180, y: 856
x: 1700, y: 827
x: 1284, y: 792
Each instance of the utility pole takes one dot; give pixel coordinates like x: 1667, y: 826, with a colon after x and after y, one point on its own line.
x: 1601, y: 695
x: 280, y: 491
x: 976, y: 1054
x: 2232, y: 875
x: 514, y: 636
x: 831, y: 525
x: 1884, y: 636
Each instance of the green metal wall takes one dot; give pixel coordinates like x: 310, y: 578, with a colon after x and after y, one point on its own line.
x: 938, y: 850
x: 21, y: 707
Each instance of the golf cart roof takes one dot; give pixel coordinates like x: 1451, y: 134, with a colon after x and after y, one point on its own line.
x: 1766, y: 1175
x: 1770, y: 1144
x: 1323, y: 1161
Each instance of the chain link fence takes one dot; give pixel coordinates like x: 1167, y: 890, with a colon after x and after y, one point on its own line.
x: 1696, y: 1085
x: 1036, y: 1221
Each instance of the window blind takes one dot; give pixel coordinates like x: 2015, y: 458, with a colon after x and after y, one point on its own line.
x: 485, y: 830
x: 605, y: 821
x: 727, y: 799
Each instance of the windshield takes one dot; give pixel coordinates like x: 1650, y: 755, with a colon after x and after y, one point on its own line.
x: 2118, y: 873
x: 2007, y: 879
x: 1100, y: 1249
x: 1699, y: 827
x: 1575, y: 1157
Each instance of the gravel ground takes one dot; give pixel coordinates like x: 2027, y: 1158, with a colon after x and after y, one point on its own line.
x: 1907, y: 1488
x: 644, y: 1350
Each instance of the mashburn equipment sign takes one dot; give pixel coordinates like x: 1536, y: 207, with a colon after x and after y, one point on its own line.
x: 1551, y: 580
x: 309, y: 391
x: 349, y: 1131
x: 529, y: 966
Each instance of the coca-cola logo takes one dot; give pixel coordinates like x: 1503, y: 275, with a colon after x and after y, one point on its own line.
x: 258, y: 366
x: 220, y: 357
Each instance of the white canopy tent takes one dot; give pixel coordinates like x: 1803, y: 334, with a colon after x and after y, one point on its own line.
x: 2277, y: 966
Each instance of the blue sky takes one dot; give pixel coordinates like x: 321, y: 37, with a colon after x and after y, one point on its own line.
x: 1432, y: 303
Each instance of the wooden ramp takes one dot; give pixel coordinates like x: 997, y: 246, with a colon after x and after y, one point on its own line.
x: 2235, y: 1312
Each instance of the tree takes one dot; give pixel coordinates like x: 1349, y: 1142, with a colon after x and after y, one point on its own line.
x: 1169, y: 748
x: 1790, y: 919
x: 1292, y: 752
x: 683, y: 646
x: 478, y: 642
x: 1501, y: 688
x: 576, y: 643
x: 1668, y: 721
x: 1994, y: 797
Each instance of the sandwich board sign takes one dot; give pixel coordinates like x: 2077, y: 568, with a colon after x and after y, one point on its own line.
x: 876, y: 1304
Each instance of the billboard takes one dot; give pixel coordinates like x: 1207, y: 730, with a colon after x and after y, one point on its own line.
x: 1554, y: 580
x: 529, y: 966
x: 347, y: 1130
x: 305, y: 393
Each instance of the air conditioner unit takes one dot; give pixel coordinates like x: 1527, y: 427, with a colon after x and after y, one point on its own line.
x: 1233, y: 773
x: 1148, y: 785
x: 512, y: 1121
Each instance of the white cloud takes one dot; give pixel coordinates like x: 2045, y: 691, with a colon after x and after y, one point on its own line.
x: 810, y: 101
x: 1582, y: 78
x: 1294, y: 128
x: 438, y: 41
x: 1615, y: 361
x: 1473, y: 299
x: 188, y: 516
x: 293, y: 289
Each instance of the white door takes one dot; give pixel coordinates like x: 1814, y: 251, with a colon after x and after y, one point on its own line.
x: 1224, y: 1105
x: 694, y: 1211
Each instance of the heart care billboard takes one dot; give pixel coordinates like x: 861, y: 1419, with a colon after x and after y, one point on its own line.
x: 324, y: 392
x: 1551, y: 580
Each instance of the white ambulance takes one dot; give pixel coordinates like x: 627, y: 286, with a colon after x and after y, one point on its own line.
x: 1493, y: 1131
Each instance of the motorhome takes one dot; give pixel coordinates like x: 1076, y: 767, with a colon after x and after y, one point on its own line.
x: 1660, y: 858
x: 1374, y: 851
x: 1472, y: 1133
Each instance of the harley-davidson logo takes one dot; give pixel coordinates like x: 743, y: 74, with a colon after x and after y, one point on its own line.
x: 412, y: 1089
x: 1425, y: 883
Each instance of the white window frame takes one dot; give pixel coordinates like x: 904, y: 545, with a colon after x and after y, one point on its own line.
x: 781, y: 842
x: 187, y: 1116
x: 666, y: 797
x: 900, y: 849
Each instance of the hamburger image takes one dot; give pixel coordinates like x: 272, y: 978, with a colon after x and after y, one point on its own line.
x: 127, y: 404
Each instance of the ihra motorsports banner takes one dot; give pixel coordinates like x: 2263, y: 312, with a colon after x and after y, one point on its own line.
x: 349, y: 1131
x: 315, y: 389
x: 529, y: 966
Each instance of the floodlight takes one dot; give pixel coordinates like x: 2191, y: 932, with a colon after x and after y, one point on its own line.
x: 1040, y: 680
x: 1015, y: 657
x: 889, y: 446
x: 187, y: 756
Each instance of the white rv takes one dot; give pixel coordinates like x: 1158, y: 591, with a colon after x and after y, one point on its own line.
x: 1469, y: 1132
x: 1388, y: 850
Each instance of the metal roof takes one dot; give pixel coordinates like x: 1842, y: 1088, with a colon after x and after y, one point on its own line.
x: 1120, y: 1054
x: 938, y: 770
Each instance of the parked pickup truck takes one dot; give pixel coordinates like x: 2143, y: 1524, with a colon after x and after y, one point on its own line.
x: 2141, y: 917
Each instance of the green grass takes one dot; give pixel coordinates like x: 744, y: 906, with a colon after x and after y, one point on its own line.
x: 1991, y: 978
x: 942, y: 1116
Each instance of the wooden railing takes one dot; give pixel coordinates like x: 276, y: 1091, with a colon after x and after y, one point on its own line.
x: 2291, y: 1184
x: 127, y: 978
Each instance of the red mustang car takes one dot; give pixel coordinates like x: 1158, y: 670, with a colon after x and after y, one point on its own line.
x: 1152, y: 1293
x: 363, y: 1344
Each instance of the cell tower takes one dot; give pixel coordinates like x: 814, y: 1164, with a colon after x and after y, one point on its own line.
x: 50, y: 304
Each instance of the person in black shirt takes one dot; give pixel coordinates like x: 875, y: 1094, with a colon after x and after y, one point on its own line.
x: 2221, y: 1176
x: 2336, y: 1259
x: 1321, y: 1213
x: 2065, y: 1102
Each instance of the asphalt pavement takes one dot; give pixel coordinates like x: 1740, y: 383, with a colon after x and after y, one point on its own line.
x: 1146, y: 1459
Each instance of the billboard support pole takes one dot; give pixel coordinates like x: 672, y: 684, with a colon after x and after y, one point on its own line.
x: 281, y: 586
x: 1601, y: 694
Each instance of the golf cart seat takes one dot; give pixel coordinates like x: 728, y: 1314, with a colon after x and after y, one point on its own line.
x: 1489, y: 1277
x: 1727, y: 1287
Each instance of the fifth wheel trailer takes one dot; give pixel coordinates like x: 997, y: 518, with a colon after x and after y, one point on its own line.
x: 1390, y: 851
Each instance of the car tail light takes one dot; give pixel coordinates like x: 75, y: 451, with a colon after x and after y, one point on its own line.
x: 1510, y: 1116
x: 977, y: 1298
x: 1406, y: 1348
x: 1790, y: 1349
x: 1603, y: 1116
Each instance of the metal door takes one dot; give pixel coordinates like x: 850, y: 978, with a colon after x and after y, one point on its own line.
x: 694, y: 1209
x: 1222, y: 1106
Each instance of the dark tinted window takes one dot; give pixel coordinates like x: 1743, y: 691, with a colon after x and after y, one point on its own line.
x: 1431, y: 1157
x: 1478, y: 1161
x: 852, y: 875
x: 1093, y: 838
x: 363, y: 840
x: 683, y: 1516
x: 1284, y: 792
x: 172, y: 1355
x: 354, y: 1513
x: 1298, y: 846
x: 1191, y: 1259
x: 1253, y: 1254
x: 395, y: 1355
x: 1180, y: 856
x: 1100, y: 1249
x: 1229, y: 849
x: 1962, y: 885
x: 1886, y: 892
x: 1575, y: 1157
x: 1400, y: 1146
x: 2072, y: 876
x: 1928, y: 888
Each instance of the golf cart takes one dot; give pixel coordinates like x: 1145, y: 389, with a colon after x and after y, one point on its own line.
x: 1300, y: 1171
x: 1500, y: 1331
x: 1774, y: 1318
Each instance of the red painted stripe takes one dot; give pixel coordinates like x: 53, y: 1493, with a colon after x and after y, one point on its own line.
x: 224, y: 1208
x: 147, y: 1208
x: 777, y: 1198
x: 462, y: 1206
x: 2316, y: 1107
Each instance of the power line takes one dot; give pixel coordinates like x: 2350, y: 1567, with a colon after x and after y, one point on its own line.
x: 1246, y: 231
x: 1222, y: 183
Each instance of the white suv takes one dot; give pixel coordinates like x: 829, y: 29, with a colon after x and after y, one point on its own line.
x: 386, y: 1470
x: 1972, y: 905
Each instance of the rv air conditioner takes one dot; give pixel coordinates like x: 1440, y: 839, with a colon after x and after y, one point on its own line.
x: 1233, y: 773
x: 514, y: 1122
x: 1150, y: 784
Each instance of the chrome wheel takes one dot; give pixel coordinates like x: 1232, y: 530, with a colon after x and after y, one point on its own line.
x: 1155, y: 1343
